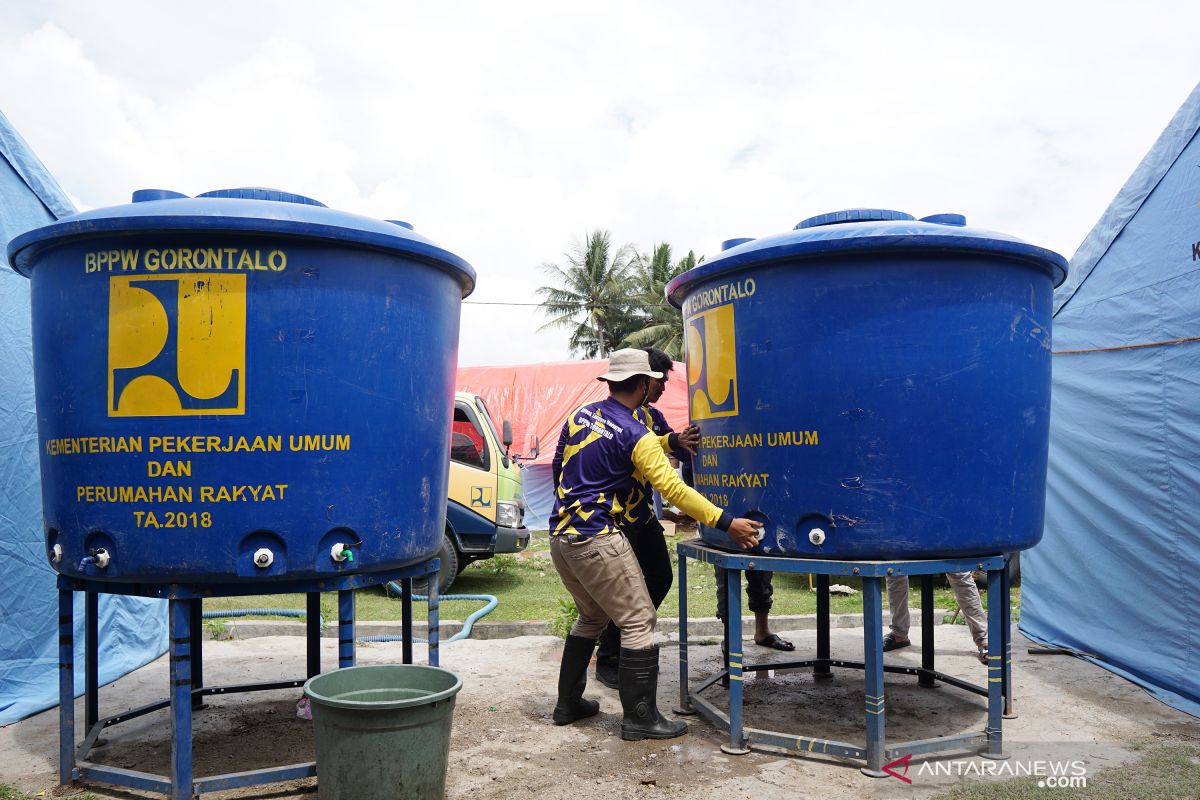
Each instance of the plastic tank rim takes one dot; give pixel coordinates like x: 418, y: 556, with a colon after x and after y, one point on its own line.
x: 389, y: 238
x: 786, y: 247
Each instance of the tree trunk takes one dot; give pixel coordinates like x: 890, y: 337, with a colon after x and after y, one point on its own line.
x: 599, y: 335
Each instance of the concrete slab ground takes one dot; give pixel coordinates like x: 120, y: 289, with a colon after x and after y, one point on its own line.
x: 698, y: 626
x: 504, y: 745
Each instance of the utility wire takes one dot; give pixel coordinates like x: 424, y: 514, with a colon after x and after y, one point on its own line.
x: 541, y: 305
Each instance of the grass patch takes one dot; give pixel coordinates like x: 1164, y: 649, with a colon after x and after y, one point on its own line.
x: 565, y: 619
x: 1170, y: 772
x: 9, y: 793
x: 529, y: 589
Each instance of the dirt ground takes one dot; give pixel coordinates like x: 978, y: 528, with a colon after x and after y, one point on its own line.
x: 504, y: 745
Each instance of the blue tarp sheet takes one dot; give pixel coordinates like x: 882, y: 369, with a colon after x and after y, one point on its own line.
x: 1118, y: 572
x: 133, y: 630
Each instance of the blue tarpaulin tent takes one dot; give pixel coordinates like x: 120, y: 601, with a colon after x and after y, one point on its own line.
x: 1118, y: 573
x: 133, y: 630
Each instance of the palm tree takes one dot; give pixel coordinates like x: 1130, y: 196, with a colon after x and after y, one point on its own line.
x: 592, y: 297
x: 661, y: 324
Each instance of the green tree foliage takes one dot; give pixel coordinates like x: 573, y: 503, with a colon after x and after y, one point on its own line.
x: 659, y: 324
x: 592, y: 296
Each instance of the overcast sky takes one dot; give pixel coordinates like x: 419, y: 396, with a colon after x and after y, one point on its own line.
x: 506, y: 131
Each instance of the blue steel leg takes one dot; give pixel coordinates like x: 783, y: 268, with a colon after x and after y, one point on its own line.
x: 1006, y: 650
x: 873, y: 672
x: 434, y: 634
x: 995, y: 669
x: 821, y: 670
x: 925, y: 680
x: 345, y: 628
x: 91, y: 665
x: 312, y: 629
x: 181, y: 699
x: 733, y: 625
x: 685, y: 705
x: 406, y: 621
x: 66, y: 686
x: 196, y: 625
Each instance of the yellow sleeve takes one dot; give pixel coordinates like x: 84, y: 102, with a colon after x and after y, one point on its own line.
x: 650, y: 461
x: 664, y: 440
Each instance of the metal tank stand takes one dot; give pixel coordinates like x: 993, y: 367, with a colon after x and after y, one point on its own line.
x: 186, y: 649
x: 876, y: 753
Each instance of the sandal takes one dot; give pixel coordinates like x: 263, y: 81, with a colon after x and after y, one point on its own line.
x: 890, y: 643
x: 775, y: 643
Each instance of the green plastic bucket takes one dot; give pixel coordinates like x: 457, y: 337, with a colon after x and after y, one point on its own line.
x: 383, y: 731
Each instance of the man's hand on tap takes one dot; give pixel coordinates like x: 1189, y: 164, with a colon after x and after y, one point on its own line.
x: 746, y: 532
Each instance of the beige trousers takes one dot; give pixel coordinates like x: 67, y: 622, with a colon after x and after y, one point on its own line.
x: 603, y: 576
x: 965, y: 590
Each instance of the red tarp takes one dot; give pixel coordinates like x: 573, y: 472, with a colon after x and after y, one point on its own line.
x: 537, y: 398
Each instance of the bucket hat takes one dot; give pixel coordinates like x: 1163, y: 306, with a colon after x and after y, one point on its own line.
x: 626, y: 363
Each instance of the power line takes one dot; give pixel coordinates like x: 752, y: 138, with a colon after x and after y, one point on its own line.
x: 496, y: 303
x: 542, y: 305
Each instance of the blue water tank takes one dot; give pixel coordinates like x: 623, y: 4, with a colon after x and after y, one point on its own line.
x: 872, y: 386
x: 230, y: 385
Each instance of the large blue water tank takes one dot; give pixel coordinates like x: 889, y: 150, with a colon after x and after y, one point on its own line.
x: 230, y: 385
x: 873, y: 386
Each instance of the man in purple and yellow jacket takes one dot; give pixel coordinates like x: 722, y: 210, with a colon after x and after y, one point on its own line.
x: 639, y: 521
x: 605, y: 453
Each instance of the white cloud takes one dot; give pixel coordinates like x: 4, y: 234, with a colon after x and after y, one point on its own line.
x: 502, y: 131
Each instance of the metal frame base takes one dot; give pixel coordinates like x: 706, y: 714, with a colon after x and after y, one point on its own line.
x: 875, y: 752
x: 186, y: 673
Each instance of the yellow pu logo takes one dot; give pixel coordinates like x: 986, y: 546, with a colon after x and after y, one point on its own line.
x: 712, y: 364
x: 481, y: 497
x: 176, y: 345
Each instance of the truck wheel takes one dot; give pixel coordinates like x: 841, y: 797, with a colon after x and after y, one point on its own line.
x: 448, y: 571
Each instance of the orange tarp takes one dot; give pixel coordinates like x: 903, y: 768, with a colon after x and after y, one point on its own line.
x: 537, y: 398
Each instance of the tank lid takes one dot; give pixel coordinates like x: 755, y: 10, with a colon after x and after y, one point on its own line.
x: 865, y: 231
x: 246, y: 210
x: 263, y: 193
x: 852, y: 215
x: 145, y: 195
x: 958, y: 220
x: 729, y: 244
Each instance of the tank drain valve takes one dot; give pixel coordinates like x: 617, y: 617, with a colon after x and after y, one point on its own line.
x: 341, y: 552
x: 98, y: 557
x: 56, y: 553
x: 817, y: 537
x: 263, y: 558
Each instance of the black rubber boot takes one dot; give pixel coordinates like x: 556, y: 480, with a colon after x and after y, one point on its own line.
x: 639, y: 698
x: 608, y: 657
x: 724, y: 665
x: 572, y: 679
x: 608, y: 673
